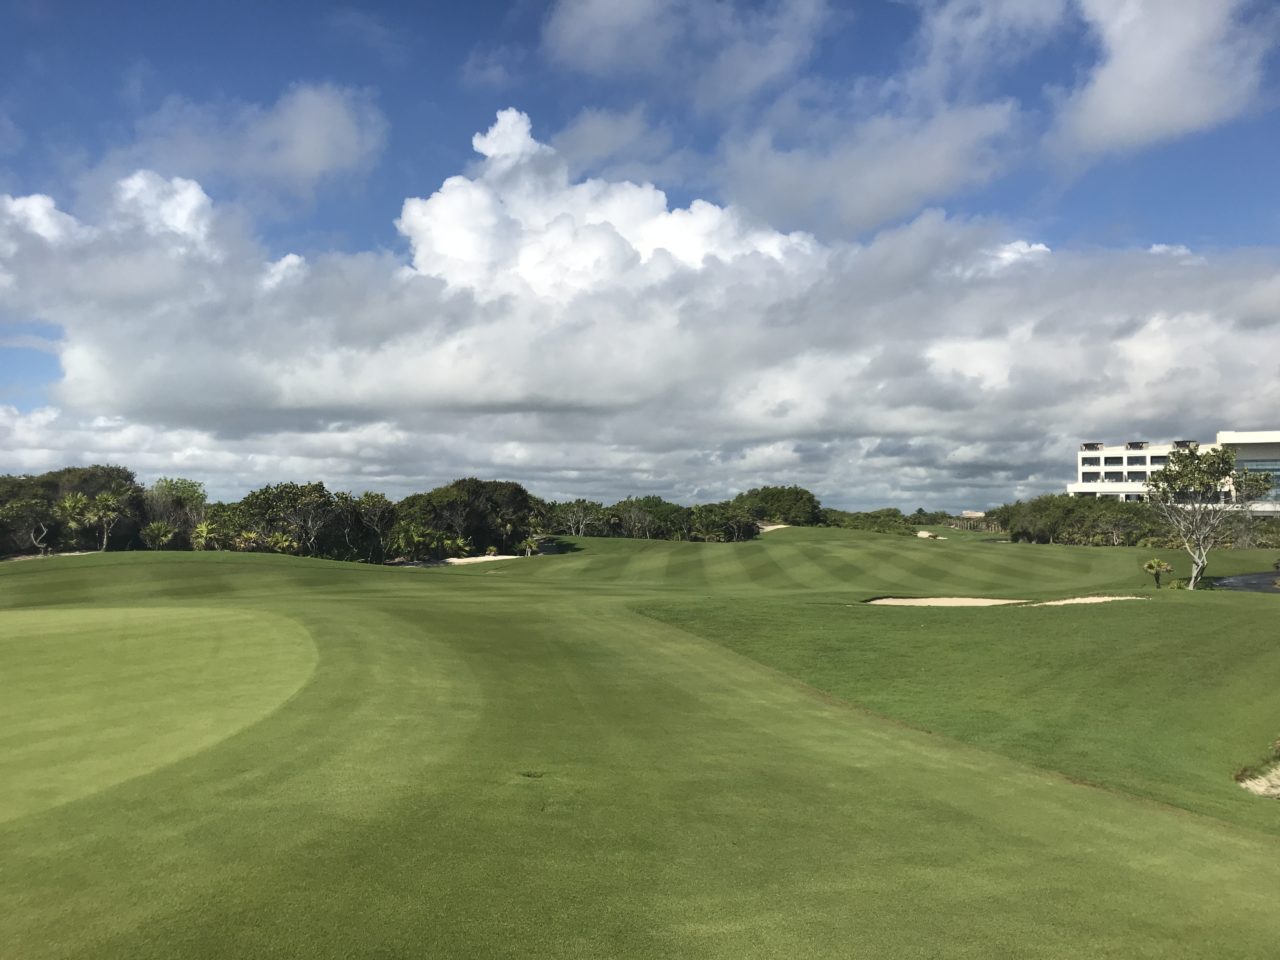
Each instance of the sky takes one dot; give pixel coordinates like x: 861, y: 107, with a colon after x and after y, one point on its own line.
x: 900, y: 252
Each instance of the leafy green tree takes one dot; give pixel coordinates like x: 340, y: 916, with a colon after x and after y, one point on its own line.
x: 377, y: 514
x: 1157, y: 568
x: 299, y: 511
x: 176, y: 501
x: 577, y: 518
x: 28, y: 522
x: 792, y: 505
x: 157, y: 534
x: 1197, y: 494
x: 529, y: 545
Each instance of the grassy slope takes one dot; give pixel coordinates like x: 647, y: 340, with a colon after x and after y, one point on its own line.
x: 507, y: 760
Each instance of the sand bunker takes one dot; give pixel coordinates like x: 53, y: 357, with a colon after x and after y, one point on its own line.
x: 766, y: 527
x: 1266, y: 784
x: 456, y: 561
x: 940, y: 602
x: 984, y: 601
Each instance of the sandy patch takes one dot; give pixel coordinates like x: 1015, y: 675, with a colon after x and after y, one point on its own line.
x: 1070, y: 600
x: 766, y: 527
x: 940, y: 602
x: 1266, y: 784
x: 458, y: 561
x: 36, y: 556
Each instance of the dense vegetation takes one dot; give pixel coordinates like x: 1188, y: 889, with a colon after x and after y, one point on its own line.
x: 1084, y: 521
x: 104, y: 507
x: 634, y: 749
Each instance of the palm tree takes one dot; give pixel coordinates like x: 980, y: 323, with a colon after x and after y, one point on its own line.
x: 157, y: 533
x: 1157, y: 568
x: 204, y: 536
x: 71, y: 511
x: 246, y: 540
x: 529, y: 545
x: 281, y: 543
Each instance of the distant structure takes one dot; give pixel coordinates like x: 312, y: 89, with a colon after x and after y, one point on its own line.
x: 1120, y: 472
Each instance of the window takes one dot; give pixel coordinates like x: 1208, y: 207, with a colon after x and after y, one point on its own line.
x: 1159, y: 461
x: 1091, y: 477
x: 1115, y: 477
x: 1115, y: 461
x: 1137, y: 461
x: 1137, y: 475
x: 1134, y: 497
x: 1090, y: 461
x: 1264, y: 466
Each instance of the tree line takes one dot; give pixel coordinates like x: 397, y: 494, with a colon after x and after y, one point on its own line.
x: 1197, y: 502
x: 104, y: 507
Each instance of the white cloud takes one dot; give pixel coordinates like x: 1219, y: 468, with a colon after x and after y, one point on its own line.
x: 960, y: 42
x: 366, y: 29
x: 312, y: 133
x: 1165, y: 70
x: 12, y: 138
x: 586, y: 338
x: 720, y: 53
x: 877, y: 170
x: 624, y: 145
x: 492, y: 67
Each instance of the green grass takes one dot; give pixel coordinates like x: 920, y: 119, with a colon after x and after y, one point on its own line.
x: 633, y: 750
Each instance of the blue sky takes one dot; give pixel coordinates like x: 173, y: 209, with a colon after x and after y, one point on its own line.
x: 967, y: 217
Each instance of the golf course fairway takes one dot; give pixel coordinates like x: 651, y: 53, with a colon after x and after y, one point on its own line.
x: 636, y: 749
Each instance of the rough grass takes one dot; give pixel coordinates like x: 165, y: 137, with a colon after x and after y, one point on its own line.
x: 507, y: 760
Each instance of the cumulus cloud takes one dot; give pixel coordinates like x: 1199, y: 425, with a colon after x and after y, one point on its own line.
x: 588, y: 338
x: 1163, y: 72
x: 312, y: 133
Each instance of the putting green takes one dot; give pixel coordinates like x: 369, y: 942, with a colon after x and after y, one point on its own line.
x: 633, y: 750
x: 97, y: 696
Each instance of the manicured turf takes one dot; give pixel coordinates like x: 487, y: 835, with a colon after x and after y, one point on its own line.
x: 633, y: 750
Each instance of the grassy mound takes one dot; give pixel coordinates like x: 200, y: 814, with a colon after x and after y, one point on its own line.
x: 509, y: 760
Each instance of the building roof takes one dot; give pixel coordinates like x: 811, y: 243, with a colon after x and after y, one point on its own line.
x: 1249, y: 436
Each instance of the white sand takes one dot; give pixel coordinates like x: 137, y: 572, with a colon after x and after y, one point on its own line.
x: 766, y: 527
x: 984, y: 601
x: 1266, y: 785
x: 37, y: 556
x: 457, y: 561
x: 940, y: 602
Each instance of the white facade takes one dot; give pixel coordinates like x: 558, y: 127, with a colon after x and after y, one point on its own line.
x: 1120, y: 471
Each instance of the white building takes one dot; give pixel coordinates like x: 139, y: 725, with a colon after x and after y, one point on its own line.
x: 1120, y: 472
